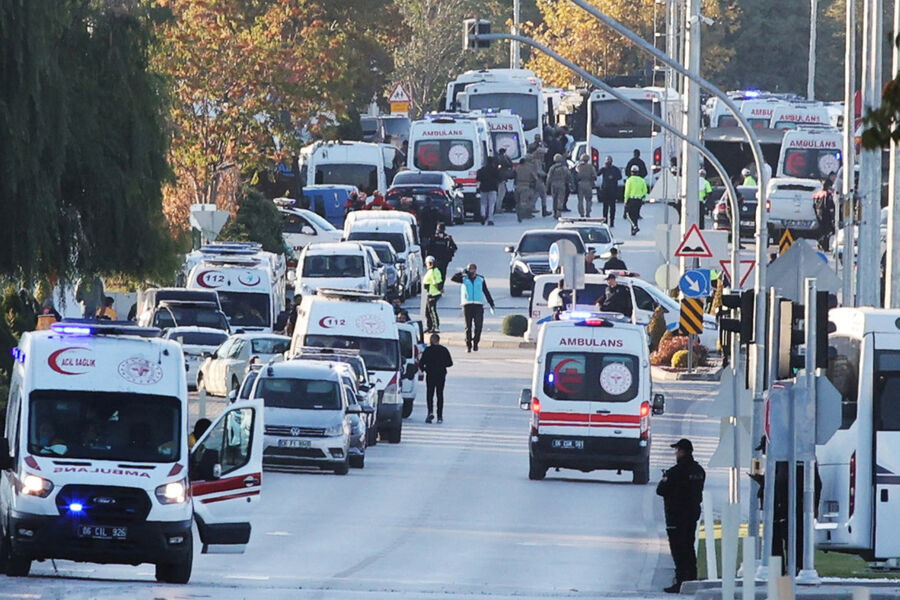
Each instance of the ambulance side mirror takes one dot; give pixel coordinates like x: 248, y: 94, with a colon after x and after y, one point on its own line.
x: 659, y: 404
x: 232, y: 396
x: 6, y: 461
x: 525, y: 399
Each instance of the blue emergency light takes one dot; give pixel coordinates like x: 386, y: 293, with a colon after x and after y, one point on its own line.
x: 76, y: 507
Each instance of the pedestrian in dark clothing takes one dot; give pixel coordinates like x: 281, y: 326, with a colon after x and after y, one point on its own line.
x: 610, y: 176
x: 589, y: 262
x: 429, y: 216
x: 681, y: 488
x: 292, y: 315
x: 442, y: 248
x: 636, y: 160
x: 489, y: 181
x: 472, y: 295
x: 616, y: 299
x: 614, y: 263
x: 823, y: 202
x: 434, y: 362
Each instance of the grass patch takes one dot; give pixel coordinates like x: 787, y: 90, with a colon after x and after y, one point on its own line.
x: 828, y: 564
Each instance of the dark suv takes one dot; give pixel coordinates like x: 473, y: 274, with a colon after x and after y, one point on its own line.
x: 531, y: 256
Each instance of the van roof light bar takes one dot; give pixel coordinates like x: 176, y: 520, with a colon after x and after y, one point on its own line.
x: 343, y: 294
x: 91, y: 327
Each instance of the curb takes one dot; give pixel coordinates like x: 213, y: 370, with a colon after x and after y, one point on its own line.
x: 659, y: 374
x: 712, y: 590
x: 510, y: 344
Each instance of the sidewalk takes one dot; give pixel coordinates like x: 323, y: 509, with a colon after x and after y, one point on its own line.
x: 878, y: 590
x: 489, y: 339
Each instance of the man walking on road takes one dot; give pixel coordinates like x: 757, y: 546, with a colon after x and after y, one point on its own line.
x: 489, y: 181
x: 681, y: 488
x: 610, y: 175
x: 433, y: 284
x: 434, y: 362
x: 635, y: 192
x: 585, y: 176
x: 472, y: 295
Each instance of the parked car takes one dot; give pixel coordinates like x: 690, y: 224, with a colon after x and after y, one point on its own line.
x: 398, y: 232
x: 439, y: 187
x: 394, y: 278
x: 344, y: 265
x: 530, y: 256
x: 595, y: 234
x: 789, y: 202
x: 747, y: 204
x: 300, y: 227
x: 196, y: 344
x: 409, y: 355
x: 358, y: 424
x: 225, y: 369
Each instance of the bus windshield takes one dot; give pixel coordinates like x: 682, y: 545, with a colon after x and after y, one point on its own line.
x: 104, y: 426
x: 524, y: 105
x: 612, y: 119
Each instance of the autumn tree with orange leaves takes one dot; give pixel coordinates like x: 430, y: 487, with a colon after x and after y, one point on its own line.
x: 249, y: 78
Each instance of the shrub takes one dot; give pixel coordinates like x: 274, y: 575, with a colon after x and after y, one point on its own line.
x: 680, y: 359
x: 657, y: 328
x: 668, y: 347
x: 514, y: 325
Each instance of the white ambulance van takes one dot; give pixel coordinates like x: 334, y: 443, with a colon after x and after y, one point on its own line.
x: 506, y: 132
x: 793, y: 116
x: 457, y: 144
x: 95, y: 458
x: 360, y: 164
x: 250, y: 283
x: 591, y: 397
x: 810, y: 153
x: 344, y: 319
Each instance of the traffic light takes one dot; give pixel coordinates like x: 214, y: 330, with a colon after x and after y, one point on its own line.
x: 790, y: 338
x: 745, y: 303
x: 824, y: 302
x: 472, y: 27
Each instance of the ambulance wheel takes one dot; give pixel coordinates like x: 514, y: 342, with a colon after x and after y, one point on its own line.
x: 12, y: 565
x: 342, y: 468
x: 514, y: 291
x: 641, y: 474
x: 536, y: 469
x: 179, y: 572
x: 407, y: 407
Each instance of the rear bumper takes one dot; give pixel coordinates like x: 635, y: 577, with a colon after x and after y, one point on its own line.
x: 597, y: 453
x: 45, y: 537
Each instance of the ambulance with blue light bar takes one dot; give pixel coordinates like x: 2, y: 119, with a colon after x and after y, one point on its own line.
x: 249, y: 281
x: 591, y: 397
x: 95, y: 459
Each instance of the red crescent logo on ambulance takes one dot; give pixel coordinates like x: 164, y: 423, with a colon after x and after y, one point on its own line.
x: 249, y: 279
x: 561, y: 378
x: 71, y: 361
x: 210, y: 279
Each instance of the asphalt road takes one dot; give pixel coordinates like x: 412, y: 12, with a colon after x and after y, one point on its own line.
x: 449, y: 511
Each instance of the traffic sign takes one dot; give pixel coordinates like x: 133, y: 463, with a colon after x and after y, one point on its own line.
x: 695, y: 284
x: 785, y: 242
x: 666, y: 276
x: 553, y: 257
x: 399, y: 108
x: 693, y: 245
x: 692, y: 316
x: 399, y: 95
x: 745, y: 267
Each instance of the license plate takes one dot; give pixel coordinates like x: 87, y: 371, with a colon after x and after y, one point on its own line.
x: 797, y: 223
x: 568, y: 444
x: 748, y: 223
x: 101, y: 532
x: 293, y: 443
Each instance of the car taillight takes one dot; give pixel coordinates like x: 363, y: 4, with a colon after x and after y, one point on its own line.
x: 657, y: 157
x: 536, y: 406
x: 595, y: 157
x: 645, y: 420
x: 852, y: 485
x: 768, y: 205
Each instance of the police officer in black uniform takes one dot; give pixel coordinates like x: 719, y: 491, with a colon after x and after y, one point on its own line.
x: 682, y: 490
x: 616, y: 298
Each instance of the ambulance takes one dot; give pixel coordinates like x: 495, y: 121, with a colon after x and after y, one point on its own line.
x: 250, y: 282
x: 456, y: 144
x: 353, y: 320
x: 810, y: 153
x: 506, y: 132
x: 793, y: 116
x: 95, y: 459
x: 591, y: 397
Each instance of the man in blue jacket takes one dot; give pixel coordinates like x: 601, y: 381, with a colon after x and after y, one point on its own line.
x: 473, y: 292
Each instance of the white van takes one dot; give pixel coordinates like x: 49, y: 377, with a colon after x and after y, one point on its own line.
x: 456, y: 144
x: 96, y: 459
x: 344, y: 265
x: 591, y: 398
x: 645, y: 298
x: 359, y: 164
x: 250, y: 282
x: 400, y: 235
x: 358, y: 321
x: 506, y: 132
x: 793, y: 116
x: 790, y: 204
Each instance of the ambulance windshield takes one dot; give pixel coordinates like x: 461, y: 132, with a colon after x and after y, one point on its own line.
x: 104, y: 426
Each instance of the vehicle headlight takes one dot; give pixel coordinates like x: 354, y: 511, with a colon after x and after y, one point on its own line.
x: 521, y: 266
x: 175, y: 492
x: 336, y: 429
x: 32, y: 485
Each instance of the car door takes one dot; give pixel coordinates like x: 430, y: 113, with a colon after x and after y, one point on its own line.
x: 236, y: 363
x: 407, y: 333
x: 297, y: 231
x: 643, y: 303
x: 215, y: 371
x: 226, y: 477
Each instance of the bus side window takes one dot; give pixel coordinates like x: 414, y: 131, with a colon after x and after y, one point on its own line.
x: 843, y: 372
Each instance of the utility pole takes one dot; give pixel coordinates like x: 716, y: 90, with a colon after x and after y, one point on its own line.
x: 811, y: 70
x: 869, y: 257
x: 892, y: 277
x: 849, y: 152
x: 515, y: 56
x: 690, y: 164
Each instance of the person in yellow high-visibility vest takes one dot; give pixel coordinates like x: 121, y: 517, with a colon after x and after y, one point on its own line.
x: 748, y: 178
x: 433, y: 286
x: 705, y: 191
x: 635, y: 192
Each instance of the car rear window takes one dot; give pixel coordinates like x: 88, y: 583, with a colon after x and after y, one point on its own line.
x: 195, y: 338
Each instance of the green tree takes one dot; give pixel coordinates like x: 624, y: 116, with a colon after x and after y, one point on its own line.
x: 257, y: 220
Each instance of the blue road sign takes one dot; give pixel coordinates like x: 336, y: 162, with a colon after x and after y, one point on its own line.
x: 695, y: 284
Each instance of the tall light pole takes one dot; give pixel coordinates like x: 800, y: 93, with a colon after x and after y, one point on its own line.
x: 690, y: 180
x: 849, y: 158
x: 892, y: 276
x: 515, y: 55
x: 811, y: 70
x: 869, y: 257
